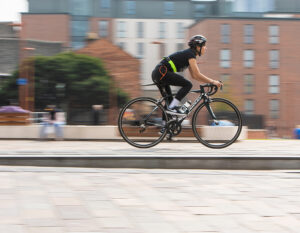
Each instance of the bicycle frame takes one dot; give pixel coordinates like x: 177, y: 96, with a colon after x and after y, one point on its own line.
x: 169, y: 123
x: 203, y: 96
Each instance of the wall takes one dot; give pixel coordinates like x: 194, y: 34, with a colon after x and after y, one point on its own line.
x: 288, y: 70
x: 47, y: 27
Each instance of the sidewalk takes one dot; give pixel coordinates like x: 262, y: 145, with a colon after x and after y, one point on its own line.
x: 58, y: 200
x: 246, y: 154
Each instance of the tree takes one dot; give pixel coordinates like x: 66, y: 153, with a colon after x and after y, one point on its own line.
x: 67, y: 79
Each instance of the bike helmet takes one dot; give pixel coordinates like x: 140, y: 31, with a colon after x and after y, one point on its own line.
x: 197, y: 40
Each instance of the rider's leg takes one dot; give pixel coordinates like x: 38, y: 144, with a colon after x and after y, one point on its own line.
x: 177, y: 80
x: 168, y: 92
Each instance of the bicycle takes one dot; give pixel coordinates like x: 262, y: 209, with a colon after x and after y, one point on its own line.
x: 217, y: 123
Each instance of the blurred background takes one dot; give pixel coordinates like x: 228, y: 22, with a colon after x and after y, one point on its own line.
x: 89, y: 57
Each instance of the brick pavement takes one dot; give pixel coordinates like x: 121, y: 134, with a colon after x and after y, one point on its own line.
x: 145, y: 201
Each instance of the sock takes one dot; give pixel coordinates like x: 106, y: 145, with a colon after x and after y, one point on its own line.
x: 174, y: 103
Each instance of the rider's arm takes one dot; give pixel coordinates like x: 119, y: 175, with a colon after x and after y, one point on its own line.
x: 196, y: 74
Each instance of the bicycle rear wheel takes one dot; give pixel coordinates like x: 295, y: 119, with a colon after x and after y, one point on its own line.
x: 219, y: 132
x: 140, y: 122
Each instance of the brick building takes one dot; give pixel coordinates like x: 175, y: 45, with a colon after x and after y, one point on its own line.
x: 47, y: 27
x: 146, y: 29
x: 121, y: 66
x: 258, y: 59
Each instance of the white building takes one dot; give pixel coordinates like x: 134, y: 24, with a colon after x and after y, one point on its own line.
x: 150, y: 40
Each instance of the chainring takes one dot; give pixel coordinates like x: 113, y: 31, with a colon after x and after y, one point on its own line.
x: 174, y: 128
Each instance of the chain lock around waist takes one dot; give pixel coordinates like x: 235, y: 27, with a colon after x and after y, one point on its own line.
x: 168, y: 61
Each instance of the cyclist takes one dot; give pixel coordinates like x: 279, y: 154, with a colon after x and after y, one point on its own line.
x: 165, y: 74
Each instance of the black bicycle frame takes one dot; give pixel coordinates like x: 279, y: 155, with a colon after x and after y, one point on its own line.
x: 206, y: 101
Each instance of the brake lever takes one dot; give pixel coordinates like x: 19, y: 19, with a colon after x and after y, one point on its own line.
x: 221, y: 88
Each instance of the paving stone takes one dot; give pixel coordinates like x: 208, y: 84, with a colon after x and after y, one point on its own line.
x: 73, y: 212
x: 81, y: 225
x: 12, y: 228
x: 183, y: 201
x: 45, y: 229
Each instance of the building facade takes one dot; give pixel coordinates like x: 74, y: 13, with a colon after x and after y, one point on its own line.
x: 258, y: 61
x: 147, y: 29
x: 11, y: 48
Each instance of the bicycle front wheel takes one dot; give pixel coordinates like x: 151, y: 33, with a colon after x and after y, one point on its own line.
x: 142, y: 122
x: 217, y: 124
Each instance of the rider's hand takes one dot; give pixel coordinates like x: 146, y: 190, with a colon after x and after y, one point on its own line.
x: 217, y: 83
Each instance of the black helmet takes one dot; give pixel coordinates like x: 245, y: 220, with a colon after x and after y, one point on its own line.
x: 197, y: 40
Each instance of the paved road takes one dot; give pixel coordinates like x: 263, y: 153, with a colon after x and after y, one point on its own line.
x: 243, y: 148
x: 54, y: 200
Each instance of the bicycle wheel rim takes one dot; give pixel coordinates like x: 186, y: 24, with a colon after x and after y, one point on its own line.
x: 222, y: 132
x: 140, y: 123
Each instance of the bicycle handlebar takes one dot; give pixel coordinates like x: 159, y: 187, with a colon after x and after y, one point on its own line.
x: 212, y: 88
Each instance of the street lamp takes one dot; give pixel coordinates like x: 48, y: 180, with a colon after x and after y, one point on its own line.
x: 26, y: 76
x: 29, y: 93
x: 161, y: 48
x: 113, y: 102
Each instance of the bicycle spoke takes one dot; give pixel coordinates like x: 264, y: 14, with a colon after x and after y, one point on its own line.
x: 141, y: 122
x: 217, y: 125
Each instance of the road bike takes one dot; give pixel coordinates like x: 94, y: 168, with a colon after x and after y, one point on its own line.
x: 216, y: 122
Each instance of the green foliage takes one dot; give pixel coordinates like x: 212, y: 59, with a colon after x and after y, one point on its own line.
x: 68, y: 79
x: 9, y: 89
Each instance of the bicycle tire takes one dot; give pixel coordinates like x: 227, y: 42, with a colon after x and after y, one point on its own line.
x: 131, y: 131
x: 224, y: 136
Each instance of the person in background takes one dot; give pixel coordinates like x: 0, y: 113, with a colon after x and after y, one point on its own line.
x: 53, y: 118
x: 97, y: 109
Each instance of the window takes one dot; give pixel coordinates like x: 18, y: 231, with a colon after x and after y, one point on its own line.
x: 121, y: 29
x: 78, y: 44
x: 122, y: 45
x: 248, y: 84
x: 225, y: 78
x: 249, y: 107
x: 130, y: 7
x: 80, y: 7
x: 248, y: 34
x: 103, y: 28
x: 140, y: 50
x: 274, y: 59
x: 162, y: 30
x: 225, y: 58
x: 79, y: 28
x: 274, y: 34
x: 180, y: 31
x: 274, y: 108
x: 248, y: 58
x: 169, y: 8
x: 274, y: 84
x: 179, y: 46
x: 225, y: 33
x: 140, y: 29
x: 105, y: 4
x: 200, y: 10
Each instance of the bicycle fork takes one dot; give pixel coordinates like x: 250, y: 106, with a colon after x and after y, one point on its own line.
x: 211, y: 113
